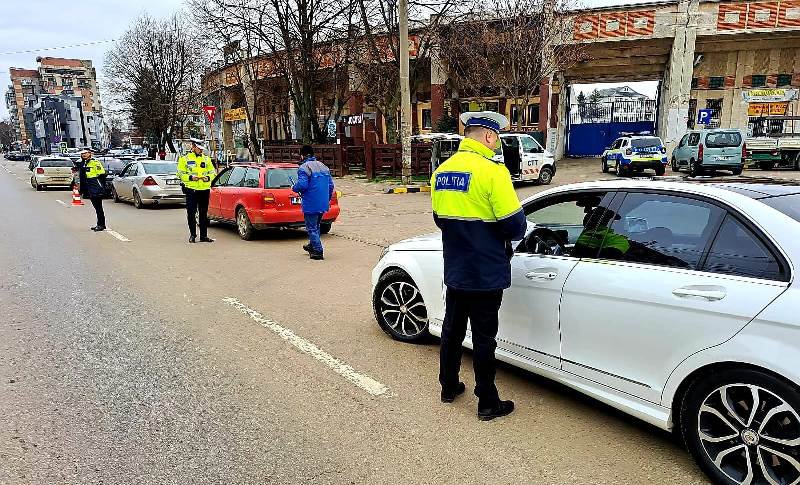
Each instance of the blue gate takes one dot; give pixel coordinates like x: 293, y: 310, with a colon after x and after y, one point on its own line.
x: 593, y: 127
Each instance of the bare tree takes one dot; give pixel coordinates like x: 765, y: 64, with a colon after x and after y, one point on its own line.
x: 376, y: 57
x: 296, y: 40
x: 153, y: 72
x: 7, y: 134
x: 511, y: 49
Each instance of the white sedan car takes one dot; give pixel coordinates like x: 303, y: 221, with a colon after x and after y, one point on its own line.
x: 674, y: 302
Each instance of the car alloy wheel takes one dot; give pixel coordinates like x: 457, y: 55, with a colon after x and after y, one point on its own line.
x: 137, y: 200
x: 545, y: 176
x: 604, y: 165
x: 400, y: 308
x: 751, y: 434
x: 243, y: 225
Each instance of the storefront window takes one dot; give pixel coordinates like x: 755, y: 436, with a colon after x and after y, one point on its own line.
x: 427, y: 122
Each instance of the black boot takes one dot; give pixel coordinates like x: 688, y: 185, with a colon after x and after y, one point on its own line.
x: 502, y: 408
x: 206, y: 239
x: 318, y: 256
x: 192, y: 239
x: 307, y: 248
x: 451, y: 395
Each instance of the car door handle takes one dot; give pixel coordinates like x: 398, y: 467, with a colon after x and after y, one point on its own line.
x: 541, y: 275
x: 710, y: 293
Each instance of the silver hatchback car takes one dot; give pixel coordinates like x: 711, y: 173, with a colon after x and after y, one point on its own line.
x: 148, y: 182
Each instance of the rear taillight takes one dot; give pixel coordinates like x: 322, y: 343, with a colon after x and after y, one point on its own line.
x: 269, y: 198
x: 40, y: 170
x: 744, y: 150
x: 775, y: 153
x: 700, y: 153
x: 149, y: 182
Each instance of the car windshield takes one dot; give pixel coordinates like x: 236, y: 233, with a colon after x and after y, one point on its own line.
x: 647, y: 142
x: 281, y: 177
x: 61, y: 162
x: 788, y: 204
x: 161, y: 168
x: 723, y: 139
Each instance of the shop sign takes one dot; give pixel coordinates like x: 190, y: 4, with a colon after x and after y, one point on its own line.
x: 767, y: 109
x: 769, y: 95
x: 236, y: 114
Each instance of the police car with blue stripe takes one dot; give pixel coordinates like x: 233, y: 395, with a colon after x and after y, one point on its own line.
x: 631, y: 154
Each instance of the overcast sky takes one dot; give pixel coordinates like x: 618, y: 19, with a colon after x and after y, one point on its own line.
x: 40, y: 24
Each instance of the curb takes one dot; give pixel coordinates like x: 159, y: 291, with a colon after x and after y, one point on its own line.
x: 408, y: 190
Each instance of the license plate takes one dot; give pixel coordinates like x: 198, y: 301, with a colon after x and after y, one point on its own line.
x: 724, y: 158
x: 173, y: 182
x: 297, y: 200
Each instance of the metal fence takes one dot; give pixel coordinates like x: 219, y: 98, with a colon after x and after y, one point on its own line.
x: 613, y: 111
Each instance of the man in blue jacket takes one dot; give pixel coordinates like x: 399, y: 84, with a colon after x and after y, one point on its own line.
x: 315, y: 186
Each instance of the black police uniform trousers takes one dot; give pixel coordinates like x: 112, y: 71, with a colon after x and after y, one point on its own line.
x: 97, y: 203
x: 481, y: 308
x: 197, y: 201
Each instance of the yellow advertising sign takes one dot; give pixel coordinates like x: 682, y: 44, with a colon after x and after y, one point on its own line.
x: 236, y: 114
x: 766, y: 109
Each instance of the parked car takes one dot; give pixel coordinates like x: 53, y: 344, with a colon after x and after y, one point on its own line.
x: 113, y: 168
x: 50, y: 171
x: 525, y: 158
x: 258, y: 197
x: 148, y: 182
x: 635, y: 153
x: 705, y: 151
x: 18, y: 156
x: 687, y: 319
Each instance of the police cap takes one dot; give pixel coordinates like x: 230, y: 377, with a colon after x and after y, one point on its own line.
x: 486, y: 119
x: 198, y: 142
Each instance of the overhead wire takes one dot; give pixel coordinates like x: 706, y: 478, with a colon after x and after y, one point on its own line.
x: 43, y: 49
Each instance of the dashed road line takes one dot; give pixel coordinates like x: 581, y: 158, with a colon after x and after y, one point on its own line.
x: 361, y: 381
x: 61, y: 202
x: 118, y: 235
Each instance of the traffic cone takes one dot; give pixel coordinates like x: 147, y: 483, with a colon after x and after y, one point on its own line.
x: 76, y: 196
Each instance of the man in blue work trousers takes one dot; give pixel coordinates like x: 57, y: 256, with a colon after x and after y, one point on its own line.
x: 477, y: 209
x: 315, y: 186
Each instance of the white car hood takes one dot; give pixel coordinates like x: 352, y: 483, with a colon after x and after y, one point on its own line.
x: 425, y: 242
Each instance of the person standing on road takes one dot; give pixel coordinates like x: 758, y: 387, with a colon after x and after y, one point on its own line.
x: 315, y: 186
x: 477, y: 209
x: 196, y: 173
x: 92, y: 180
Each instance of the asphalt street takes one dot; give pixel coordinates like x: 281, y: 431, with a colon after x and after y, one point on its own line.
x: 150, y: 360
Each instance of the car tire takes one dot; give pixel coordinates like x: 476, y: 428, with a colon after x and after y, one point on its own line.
x: 39, y: 187
x: 604, y: 164
x: 622, y: 171
x: 737, y: 171
x: 545, y: 176
x: 674, y: 165
x: 399, y: 307
x: 325, y: 227
x: 660, y: 171
x: 137, y: 200
x: 766, y: 165
x: 115, y: 195
x: 243, y: 225
x: 694, y: 168
x: 733, y: 417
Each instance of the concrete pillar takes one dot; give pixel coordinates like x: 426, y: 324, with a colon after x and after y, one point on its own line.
x: 544, y: 106
x: 438, y: 87
x: 677, y: 85
x: 560, y: 123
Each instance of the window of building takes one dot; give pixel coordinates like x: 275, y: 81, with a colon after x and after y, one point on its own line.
x: 694, y: 83
x: 737, y: 251
x: 759, y: 80
x: 716, y: 82
x: 427, y: 120
x: 515, y: 114
x: 715, y: 105
x: 692, y: 114
x: 533, y: 114
x: 784, y: 80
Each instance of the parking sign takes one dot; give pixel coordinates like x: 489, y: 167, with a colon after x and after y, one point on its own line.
x: 704, y: 116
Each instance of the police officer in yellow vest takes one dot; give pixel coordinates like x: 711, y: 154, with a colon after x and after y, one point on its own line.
x: 477, y: 209
x: 196, y: 173
x: 92, y: 177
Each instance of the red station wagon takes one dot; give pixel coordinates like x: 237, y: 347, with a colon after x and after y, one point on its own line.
x: 254, y: 197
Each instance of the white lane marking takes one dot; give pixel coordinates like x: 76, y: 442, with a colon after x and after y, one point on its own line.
x: 118, y: 235
x: 362, y: 381
x: 61, y: 202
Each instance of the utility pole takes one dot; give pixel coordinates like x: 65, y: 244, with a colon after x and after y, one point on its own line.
x: 405, y: 91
